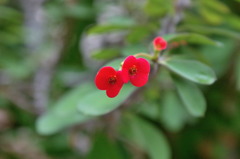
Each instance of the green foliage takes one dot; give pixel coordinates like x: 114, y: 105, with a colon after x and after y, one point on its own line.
x: 237, y: 68
x: 114, y: 24
x: 103, y: 147
x: 133, y: 49
x: 212, y: 30
x: 146, y: 136
x: 65, y: 108
x: 103, y: 104
x: 191, y: 70
x: 106, y: 54
x: 173, y: 114
x: 99, y: 29
x: 152, y: 7
x: 190, y: 38
x: 170, y: 117
x: 189, y: 94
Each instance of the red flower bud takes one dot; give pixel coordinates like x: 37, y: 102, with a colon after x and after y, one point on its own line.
x: 135, y: 70
x: 159, y: 44
x: 110, y: 80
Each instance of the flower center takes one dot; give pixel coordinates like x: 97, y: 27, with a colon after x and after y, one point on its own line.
x: 133, y: 70
x: 112, y: 80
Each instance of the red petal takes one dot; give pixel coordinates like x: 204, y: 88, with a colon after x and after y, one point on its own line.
x: 128, y: 63
x: 143, y: 66
x: 102, y: 77
x: 139, y: 79
x: 113, y: 90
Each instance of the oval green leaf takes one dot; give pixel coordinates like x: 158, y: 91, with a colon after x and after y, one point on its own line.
x: 64, y: 112
x: 191, y: 97
x: 97, y: 103
x: 173, y: 114
x: 191, y: 70
x: 145, y: 136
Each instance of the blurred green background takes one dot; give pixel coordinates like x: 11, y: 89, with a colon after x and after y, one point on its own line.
x: 50, y: 51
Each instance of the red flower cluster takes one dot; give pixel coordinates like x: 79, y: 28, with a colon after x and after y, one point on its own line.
x: 135, y: 70
x: 159, y: 44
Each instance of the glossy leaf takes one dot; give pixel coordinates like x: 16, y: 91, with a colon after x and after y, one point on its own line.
x: 146, y: 137
x: 97, y: 102
x: 192, y: 97
x: 191, y: 70
x: 191, y: 38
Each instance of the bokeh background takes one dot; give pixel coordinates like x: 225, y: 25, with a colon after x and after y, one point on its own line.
x: 49, y: 48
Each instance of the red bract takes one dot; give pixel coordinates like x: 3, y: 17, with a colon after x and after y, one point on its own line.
x: 159, y: 43
x: 136, y: 70
x: 110, y: 80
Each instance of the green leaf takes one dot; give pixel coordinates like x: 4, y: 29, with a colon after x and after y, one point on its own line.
x: 191, y: 70
x: 233, y: 21
x: 146, y: 137
x: 52, y: 122
x: 216, y: 6
x: 64, y: 112
x: 121, y: 20
x: 192, y: 97
x: 211, y: 30
x: 134, y: 49
x: 219, y: 57
x: 152, y: 7
x: 104, y: 148
x: 238, y: 72
x: 79, y: 11
x: 97, y: 103
x: 173, y: 113
x: 149, y: 109
x: 191, y: 38
x: 138, y: 34
x: 106, y: 54
x: 100, y: 29
x: 116, y: 63
x: 211, y: 16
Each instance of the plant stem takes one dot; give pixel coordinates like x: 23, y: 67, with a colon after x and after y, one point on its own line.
x: 150, y: 57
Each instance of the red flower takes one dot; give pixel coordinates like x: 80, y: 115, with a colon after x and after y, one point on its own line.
x: 135, y: 70
x: 110, y: 80
x: 159, y: 44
